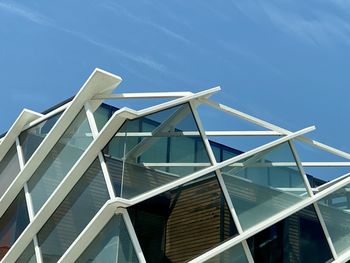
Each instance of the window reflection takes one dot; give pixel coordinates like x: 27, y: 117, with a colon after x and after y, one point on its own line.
x: 184, y: 222
x: 298, y: 238
x: 12, y: 223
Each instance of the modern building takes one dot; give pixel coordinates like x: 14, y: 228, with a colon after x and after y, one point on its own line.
x: 88, y: 182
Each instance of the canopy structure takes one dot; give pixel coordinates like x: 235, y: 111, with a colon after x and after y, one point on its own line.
x: 89, y: 182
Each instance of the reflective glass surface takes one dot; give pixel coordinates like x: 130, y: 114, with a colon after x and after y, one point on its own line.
x: 9, y: 169
x: 182, y: 223
x: 335, y: 209
x: 28, y: 255
x: 31, y: 138
x: 12, y: 223
x: 234, y: 254
x: 102, y: 115
x: 298, y: 238
x: 264, y: 184
x: 151, y: 151
x: 73, y: 214
x: 111, y: 245
x: 60, y: 160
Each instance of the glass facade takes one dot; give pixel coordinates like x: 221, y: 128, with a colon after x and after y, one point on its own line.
x: 28, y: 255
x: 9, y: 169
x: 60, y: 160
x: 151, y: 151
x: 180, y: 224
x: 298, y: 238
x: 12, y: 223
x: 259, y: 190
x: 335, y: 209
x: 31, y: 138
x: 234, y: 254
x: 73, y: 214
x: 166, y: 207
x: 113, y: 244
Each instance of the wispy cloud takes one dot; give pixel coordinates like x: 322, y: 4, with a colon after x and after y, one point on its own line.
x: 25, y: 13
x: 117, y: 9
x: 314, y: 24
x: 39, y: 19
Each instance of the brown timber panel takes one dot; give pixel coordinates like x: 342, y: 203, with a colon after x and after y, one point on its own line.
x: 194, y: 223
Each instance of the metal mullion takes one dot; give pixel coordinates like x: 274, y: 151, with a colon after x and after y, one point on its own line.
x: 47, y: 116
x: 133, y: 237
x: 29, y: 202
x: 99, y: 81
x: 144, y: 95
x: 77, y: 170
x: 311, y: 193
x: 94, y: 131
x: 273, y: 127
x: 220, y: 180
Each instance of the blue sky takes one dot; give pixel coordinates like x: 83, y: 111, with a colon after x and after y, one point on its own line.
x: 284, y: 61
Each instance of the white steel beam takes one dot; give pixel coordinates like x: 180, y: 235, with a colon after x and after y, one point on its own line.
x: 273, y: 127
x: 9, y: 139
x: 272, y: 220
x: 99, y: 82
x: 220, y: 180
x: 65, y: 186
x: 263, y: 164
x: 311, y: 193
x: 147, y: 142
x: 93, y: 127
x: 29, y: 203
x: 173, y: 103
x: 196, y: 133
x: 145, y: 95
x: 46, y: 116
x: 133, y: 236
x: 80, y: 167
x: 213, y: 168
x: 93, y: 228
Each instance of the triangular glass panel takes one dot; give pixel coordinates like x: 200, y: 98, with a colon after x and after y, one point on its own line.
x: 74, y: 213
x: 12, y: 223
x: 31, y: 138
x: 9, y: 169
x: 154, y: 150
x: 319, y: 175
x: 228, y: 146
x: 233, y: 254
x: 59, y: 160
x: 264, y: 184
x: 297, y: 238
x: 335, y: 210
x: 180, y: 224
x: 28, y: 255
x: 105, y: 111
x: 112, y: 244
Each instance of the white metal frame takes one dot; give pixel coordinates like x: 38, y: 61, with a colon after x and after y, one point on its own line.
x: 99, y: 86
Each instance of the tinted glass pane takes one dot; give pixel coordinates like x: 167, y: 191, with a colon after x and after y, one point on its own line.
x: 183, y: 223
x: 217, y: 149
x: 234, y: 254
x: 153, y: 150
x: 31, y: 138
x: 73, y: 214
x: 12, y: 223
x: 28, y: 255
x: 259, y: 190
x: 298, y: 238
x: 112, y: 244
x: 102, y: 115
x: 60, y: 160
x: 335, y: 209
x: 9, y: 168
